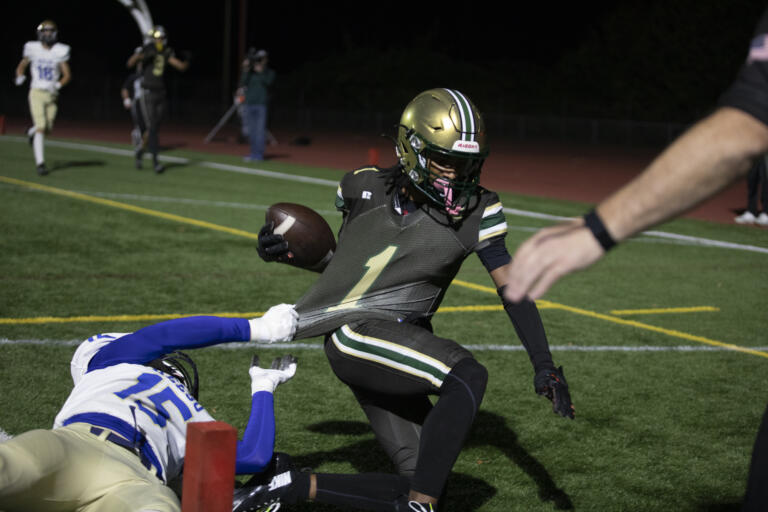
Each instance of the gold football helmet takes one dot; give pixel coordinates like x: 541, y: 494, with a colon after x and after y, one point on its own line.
x: 47, y: 32
x: 158, y: 36
x: 442, y: 128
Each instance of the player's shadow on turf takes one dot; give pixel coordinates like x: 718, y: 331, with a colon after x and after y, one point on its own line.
x: 170, y: 166
x: 491, y: 429
x: 68, y: 164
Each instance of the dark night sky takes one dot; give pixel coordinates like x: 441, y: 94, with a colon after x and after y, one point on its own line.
x: 103, y: 32
x: 573, y: 39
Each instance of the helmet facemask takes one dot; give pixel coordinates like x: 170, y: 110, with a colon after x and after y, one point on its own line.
x: 158, y: 37
x: 441, y: 146
x: 47, y: 33
x: 181, y: 367
x: 426, y: 175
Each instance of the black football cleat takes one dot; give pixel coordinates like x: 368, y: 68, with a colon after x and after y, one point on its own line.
x: 159, y: 168
x: 266, y: 497
x: 405, y: 505
x: 42, y: 170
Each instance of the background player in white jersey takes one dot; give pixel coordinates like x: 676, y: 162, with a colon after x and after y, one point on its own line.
x: 121, y: 434
x: 48, y: 61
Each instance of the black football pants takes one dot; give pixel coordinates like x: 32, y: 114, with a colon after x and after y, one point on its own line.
x: 152, y: 104
x: 392, y: 368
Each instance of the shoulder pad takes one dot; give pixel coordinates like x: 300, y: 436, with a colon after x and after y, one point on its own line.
x: 30, y: 47
x: 85, y: 352
x: 62, y: 50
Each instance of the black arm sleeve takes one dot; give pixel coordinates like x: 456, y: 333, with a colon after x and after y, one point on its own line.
x: 527, y: 321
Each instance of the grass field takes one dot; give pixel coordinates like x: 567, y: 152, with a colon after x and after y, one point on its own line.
x: 668, y: 402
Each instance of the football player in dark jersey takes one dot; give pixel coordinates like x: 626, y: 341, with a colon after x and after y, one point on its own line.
x: 153, y: 58
x: 406, y: 231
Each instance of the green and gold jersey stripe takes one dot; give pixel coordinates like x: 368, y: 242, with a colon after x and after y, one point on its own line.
x: 493, y: 223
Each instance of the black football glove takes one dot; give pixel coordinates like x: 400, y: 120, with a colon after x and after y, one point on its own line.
x: 273, y: 247
x: 551, y: 383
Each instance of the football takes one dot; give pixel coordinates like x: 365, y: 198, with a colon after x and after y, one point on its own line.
x: 309, y: 236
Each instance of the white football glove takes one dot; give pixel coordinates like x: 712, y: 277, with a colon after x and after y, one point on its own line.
x: 20, y: 79
x: 283, y: 368
x: 277, y: 324
x: 127, y: 103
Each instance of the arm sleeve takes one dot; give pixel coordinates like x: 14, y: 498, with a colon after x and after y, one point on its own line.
x: 254, y: 452
x: 155, y: 340
x: 527, y: 321
x: 749, y: 91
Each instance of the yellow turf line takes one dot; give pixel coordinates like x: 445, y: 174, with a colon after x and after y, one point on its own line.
x: 168, y: 316
x: 114, y: 318
x: 542, y: 304
x: 129, y: 207
x: 696, y: 309
x: 545, y: 304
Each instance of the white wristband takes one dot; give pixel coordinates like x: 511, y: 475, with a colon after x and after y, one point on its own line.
x: 263, y: 384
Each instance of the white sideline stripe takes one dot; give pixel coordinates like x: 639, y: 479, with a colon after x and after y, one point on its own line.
x: 264, y: 207
x: 707, y: 242
x: 165, y: 199
x: 333, y: 183
x: 480, y: 348
x: 660, y: 234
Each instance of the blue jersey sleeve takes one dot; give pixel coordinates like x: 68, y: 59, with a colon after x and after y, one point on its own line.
x: 254, y: 452
x: 162, y: 338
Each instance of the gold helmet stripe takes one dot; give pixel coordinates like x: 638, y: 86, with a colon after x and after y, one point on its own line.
x: 467, y: 127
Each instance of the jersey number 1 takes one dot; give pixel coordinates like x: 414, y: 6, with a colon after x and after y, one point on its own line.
x: 375, y: 266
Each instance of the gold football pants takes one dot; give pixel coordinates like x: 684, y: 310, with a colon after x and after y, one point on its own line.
x: 70, y: 469
x: 42, y: 106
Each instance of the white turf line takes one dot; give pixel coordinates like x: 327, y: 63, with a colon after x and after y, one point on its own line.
x: 332, y: 183
x: 479, y: 348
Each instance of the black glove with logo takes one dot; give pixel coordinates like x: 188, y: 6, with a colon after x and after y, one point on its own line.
x: 551, y: 383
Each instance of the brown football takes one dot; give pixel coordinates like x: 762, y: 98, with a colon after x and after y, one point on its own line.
x: 309, y: 236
